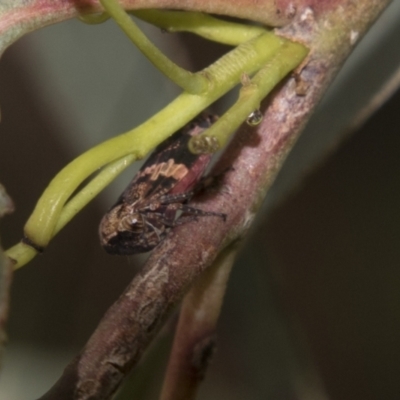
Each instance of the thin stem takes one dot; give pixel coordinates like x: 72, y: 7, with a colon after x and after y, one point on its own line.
x: 22, y: 253
x: 91, y: 190
x: 203, y: 25
x: 195, y: 334
x: 217, y: 30
x: 190, y: 82
x: 289, y: 57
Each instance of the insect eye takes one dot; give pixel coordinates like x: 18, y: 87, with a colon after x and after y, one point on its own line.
x: 135, y: 223
x: 132, y: 223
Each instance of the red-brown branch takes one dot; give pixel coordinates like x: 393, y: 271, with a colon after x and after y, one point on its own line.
x: 255, y: 155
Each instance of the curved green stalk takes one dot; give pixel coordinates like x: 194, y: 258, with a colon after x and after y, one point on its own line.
x: 22, y: 253
x: 289, y: 57
x: 52, y: 210
x: 214, y: 29
x: 190, y: 82
x: 217, y: 30
x: 226, y: 71
x: 91, y: 190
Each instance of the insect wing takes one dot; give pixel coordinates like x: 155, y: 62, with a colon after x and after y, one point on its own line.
x: 144, y: 212
x: 171, y: 168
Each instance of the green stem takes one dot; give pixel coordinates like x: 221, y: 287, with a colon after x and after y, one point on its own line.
x: 190, y: 82
x: 214, y: 29
x: 91, y: 190
x: 203, y: 25
x: 289, y: 57
x: 22, y: 253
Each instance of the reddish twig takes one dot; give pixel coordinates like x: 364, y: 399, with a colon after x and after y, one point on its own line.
x: 6, y: 271
x: 195, y: 335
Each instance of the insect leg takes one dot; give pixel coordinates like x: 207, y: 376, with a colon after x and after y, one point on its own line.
x: 191, y: 213
x: 210, y: 182
x: 176, y: 198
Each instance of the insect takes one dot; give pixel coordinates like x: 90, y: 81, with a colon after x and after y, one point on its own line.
x: 156, y: 199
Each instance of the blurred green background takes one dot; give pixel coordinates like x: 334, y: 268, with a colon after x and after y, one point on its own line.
x: 313, y: 306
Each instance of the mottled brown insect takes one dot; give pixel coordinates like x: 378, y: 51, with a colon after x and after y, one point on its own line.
x: 155, y: 200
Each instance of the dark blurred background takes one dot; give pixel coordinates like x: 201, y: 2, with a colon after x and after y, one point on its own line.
x: 313, y: 306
